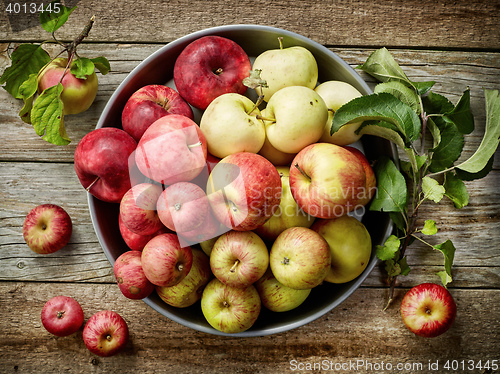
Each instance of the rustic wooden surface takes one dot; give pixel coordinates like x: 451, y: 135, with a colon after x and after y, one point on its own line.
x: 455, y: 43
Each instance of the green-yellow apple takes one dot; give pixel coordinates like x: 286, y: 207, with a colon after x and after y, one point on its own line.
x: 326, y: 179
x: 289, y: 213
x: 277, y: 297
x: 283, y: 67
x: 295, y: 118
x: 230, y: 125
x: 276, y: 157
x: 239, y: 258
x: 77, y: 95
x: 350, y: 247
x: 300, y: 258
x: 335, y: 94
x: 230, y: 309
x: 189, y: 290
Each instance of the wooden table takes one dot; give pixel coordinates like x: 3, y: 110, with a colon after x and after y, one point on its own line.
x: 455, y: 43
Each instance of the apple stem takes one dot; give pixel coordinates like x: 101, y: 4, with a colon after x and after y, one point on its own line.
x: 71, y: 47
x: 219, y: 71
x: 285, y: 261
x: 233, y: 268
x: 301, y: 171
x: 194, y: 145
x: 180, y: 267
x: 280, y: 40
x: 60, y: 314
x: 331, y: 110
x: 92, y: 184
x: 177, y: 206
x: 265, y: 118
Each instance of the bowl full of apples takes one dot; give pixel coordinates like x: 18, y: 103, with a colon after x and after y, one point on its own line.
x: 216, y: 190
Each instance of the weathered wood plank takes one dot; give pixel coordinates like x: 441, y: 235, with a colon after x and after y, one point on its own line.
x: 452, y: 71
x: 425, y: 23
x: 356, y: 330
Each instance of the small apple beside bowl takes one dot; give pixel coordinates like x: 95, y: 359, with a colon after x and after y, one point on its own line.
x: 158, y: 69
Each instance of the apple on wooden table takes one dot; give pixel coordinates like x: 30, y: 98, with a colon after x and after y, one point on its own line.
x: 47, y: 228
x: 105, y: 333
x: 62, y: 315
x: 130, y: 276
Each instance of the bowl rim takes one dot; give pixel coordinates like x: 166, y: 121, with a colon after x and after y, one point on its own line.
x: 361, y: 85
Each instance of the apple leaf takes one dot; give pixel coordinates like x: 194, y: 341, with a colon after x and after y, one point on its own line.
x: 82, y: 67
x: 388, y: 250
x: 254, y: 80
x: 102, y: 64
x: 27, y: 90
x: 403, y: 265
x: 430, y: 227
x: 448, y: 250
x: 432, y: 189
x: 54, y: 16
x: 382, y: 66
x: 382, y: 107
x: 392, y: 193
x: 27, y: 59
x: 423, y: 87
x: 402, y: 92
x: 461, y: 115
x: 489, y: 144
x: 47, y: 116
x: 456, y: 190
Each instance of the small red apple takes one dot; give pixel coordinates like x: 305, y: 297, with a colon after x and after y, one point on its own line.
x: 62, y: 316
x: 105, y: 333
x: 102, y: 163
x: 135, y: 241
x: 209, y: 67
x: 130, y: 276
x: 428, y: 310
x: 47, y: 228
x: 148, y: 104
x: 78, y: 94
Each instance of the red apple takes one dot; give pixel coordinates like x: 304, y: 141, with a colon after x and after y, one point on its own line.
x: 183, y: 206
x: 164, y: 261
x: 209, y: 67
x: 148, y: 104
x: 244, y: 190
x: 47, y: 228
x: 365, y: 194
x: 189, y: 290
x: 239, y: 258
x: 173, y: 149
x: 202, y: 178
x: 138, y: 209
x: 62, y: 316
x: 78, y: 94
x: 325, y: 180
x: 102, y: 163
x: 209, y: 229
x: 130, y: 276
x: 428, y: 310
x: 105, y: 333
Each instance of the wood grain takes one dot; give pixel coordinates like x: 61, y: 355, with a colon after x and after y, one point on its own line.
x: 459, y: 24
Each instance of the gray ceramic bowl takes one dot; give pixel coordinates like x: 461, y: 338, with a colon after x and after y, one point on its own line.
x: 157, y: 69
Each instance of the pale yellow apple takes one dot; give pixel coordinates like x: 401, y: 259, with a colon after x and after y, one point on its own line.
x: 350, y: 247
x: 287, y: 215
x: 296, y: 118
x: 335, y: 94
x: 292, y: 66
x: 276, y: 157
x: 230, y: 125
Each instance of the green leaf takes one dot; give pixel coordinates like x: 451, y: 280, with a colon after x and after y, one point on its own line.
x: 102, y: 64
x: 392, y: 268
x: 402, y: 92
x: 382, y: 66
x: 398, y: 219
x: 432, y: 189
x: 461, y: 115
x: 47, y: 116
x: 466, y: 176
x: 27, y: 59
x: 388, y: 250
x: 448, y: 250
x: 451, y: 144
x: 479, y: 160
x: 403, y: 265
x: 381, y: 107
x: 54, y: 16
x: 82, y: 67
x: 27, y: 90
x: 423, y: 87
x: 430, y: 227
x: 456, y: 190
x: 435, y: 132
x: 392, y: 193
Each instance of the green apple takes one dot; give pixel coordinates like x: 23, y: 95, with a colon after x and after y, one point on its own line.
x: 283, y: 67
x: 350, y: 247
x: 230, y: 309
x: 287, y: 215
x: 300, y: 258
x: 335, y: 94
x: 189, y: 290
x: 207, y: 245
x: 295, y: 118
x: 230, y: 125
x: 277, y: 297
x: 276, y: 157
